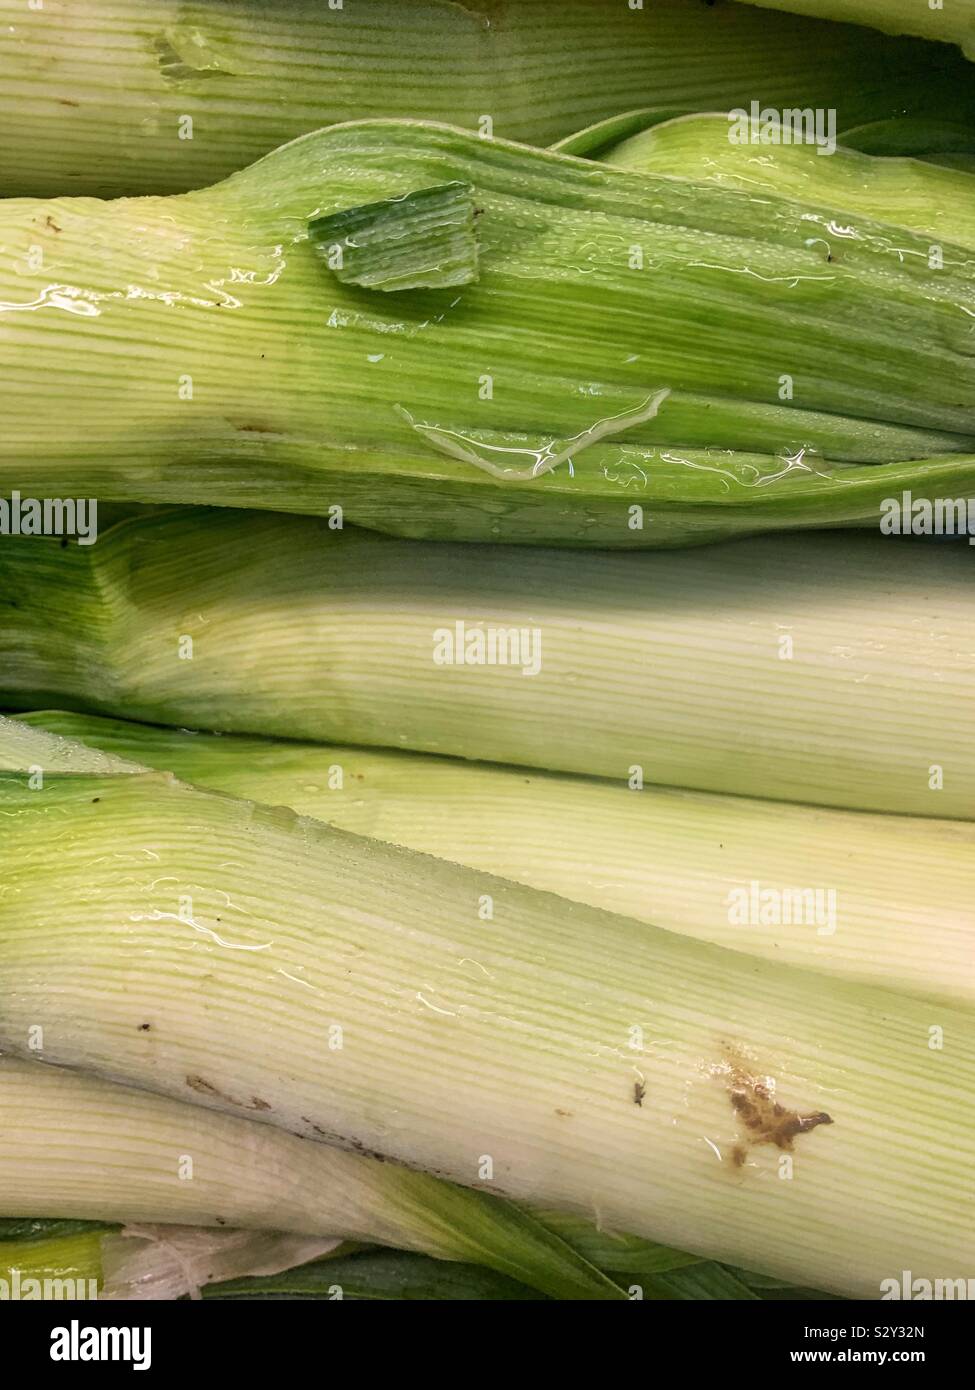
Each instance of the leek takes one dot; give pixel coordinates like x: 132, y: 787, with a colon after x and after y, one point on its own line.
x: 72, y: 1145
x: 894, y: 912
x: 622, y: 344
x: 68, y: 1144
x: 747, y: 1112
x: 112, y: 97
x: 830, y: 672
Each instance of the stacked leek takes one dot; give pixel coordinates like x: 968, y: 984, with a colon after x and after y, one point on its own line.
x: 429, y: 333
x: 840, y: 672
x: 608, y: 933
x: 889, y: 910
x: 112, y: 97
x: 553, y: 1054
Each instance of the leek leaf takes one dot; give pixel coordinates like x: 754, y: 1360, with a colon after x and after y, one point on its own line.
x: 921, y: 138
x: 378, y: 1274
x: 906, y: 192
x: 951, y: 22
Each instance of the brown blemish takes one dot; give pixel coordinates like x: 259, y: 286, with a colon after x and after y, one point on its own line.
x: 144, y: 1027
x: 339, y: 1141
x: 197, y: 1083
x: 323, y: 1133
x: 566, y: 1114
x: 50, y: 222
x: 66, y: 101
x: 206, y: 1088
x: 360, y: 1148
x: 765, y: 1120
x: 639, y: 1091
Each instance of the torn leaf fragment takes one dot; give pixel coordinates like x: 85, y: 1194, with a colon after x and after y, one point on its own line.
x: 422, y: 240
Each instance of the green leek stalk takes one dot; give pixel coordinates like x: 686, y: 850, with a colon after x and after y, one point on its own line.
x: 74, y: 1146
x: 95, y: 96
x: 680, y: 860
x: 830, y: 671
x: 74, y: 1255
x: 952, y: 21
x: 615, y: 358
x: 335, y: 987
x: 911, y: 193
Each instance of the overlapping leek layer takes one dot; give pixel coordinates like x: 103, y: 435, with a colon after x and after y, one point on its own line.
x: 933, y: 138
x: 675, y: 361
x: 263, y: 965
x: 950, y: 20
x: 832, y: 672
x: 166, y: 1262
x: 115, y: 97
x: 910, y: 193
x: 880, y: 899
